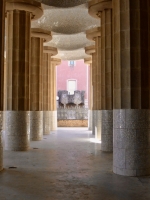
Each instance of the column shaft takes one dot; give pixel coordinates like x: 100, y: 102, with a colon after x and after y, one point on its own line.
x: 98, y: 89
x: 106, y: 81
x: 52, y: 99
x: 18, y: 52
x: 45, y: 81
x: 131, y: 87
x: 36, y: 74
x: 18, y: 62
x: 98, y: 72
x: 94, y: 92
x: 90, y: 98
x: 46, y: 85
x: 36, y: 89
x: 2, y: 33
x: 55, y: 92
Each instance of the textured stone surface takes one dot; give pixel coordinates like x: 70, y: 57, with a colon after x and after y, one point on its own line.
x: 67, y: 165
x: 98, y: 124
x: 36, y: 125
x: 36, y: 74
x: 18, y: 59
x: 1, y: 139
x: 103, y: 123
x: 93, y: 121
x: 107, y: 130
x: 90, y: 120
x: 17, y: 134
x: 72, y: 123
x: 46, y: 122
x: 131, y: 54
x: 53, y: 120
x: 131, y: 142
x: 72, y: 113
x: 2, y: 65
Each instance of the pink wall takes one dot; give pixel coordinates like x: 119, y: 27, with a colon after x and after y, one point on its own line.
x: 78, y: 72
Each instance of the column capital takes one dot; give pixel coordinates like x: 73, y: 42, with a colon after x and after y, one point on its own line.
x: 31, y: 6
x: 56, y: 61
x: 97, y: 6
x: 40, y: 33
x: 90, y: 50
x: 51, y: 50
x: 88, y: 61
x: 93, y: 33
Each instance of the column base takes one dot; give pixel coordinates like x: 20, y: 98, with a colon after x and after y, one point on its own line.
x: 53, y: 120
x: 1, y: 140
x: 36, y: 125
x: 93, y: 121
x: 46, y: 122
x: 98, y: 124
x: 131, y: 148
x: 17, y: 135
x: 103, y: 127
x: 90, y: 120
x: 107, y: 131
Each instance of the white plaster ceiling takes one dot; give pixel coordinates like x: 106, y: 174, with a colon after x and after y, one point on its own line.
x: 66, y: 21
x: 63, y: 3
x: 69, y: 42
x: 68, y: 26
x: 72, y: 55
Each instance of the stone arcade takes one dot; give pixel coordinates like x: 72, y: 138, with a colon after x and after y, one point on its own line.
x: 113, y: 38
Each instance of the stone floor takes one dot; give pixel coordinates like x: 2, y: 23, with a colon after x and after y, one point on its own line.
x: 67, y: 165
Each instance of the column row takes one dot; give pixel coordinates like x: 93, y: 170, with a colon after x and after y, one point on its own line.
x: 122, y: 66
x: 28, y: 78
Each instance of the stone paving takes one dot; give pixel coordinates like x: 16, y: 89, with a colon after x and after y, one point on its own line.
x: 67, y: 165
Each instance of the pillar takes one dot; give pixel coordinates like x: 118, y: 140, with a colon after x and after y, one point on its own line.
x: 88, y: 61
x: 90, y: 50
x: 131, y: 87
x: 104, y: 11
x: 19, y: 15
x: 95, y: 34
x: 48, y: 52
x: 38, y: 37
x: 53, y: 93
x: 2, y: 33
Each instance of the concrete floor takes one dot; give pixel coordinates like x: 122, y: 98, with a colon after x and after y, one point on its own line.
x: 67, y: 165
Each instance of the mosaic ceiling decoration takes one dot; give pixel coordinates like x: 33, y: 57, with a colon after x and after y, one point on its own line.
x: 66, y: 21
x: 71, y: 55
x: 69, y: 42
x: 68, y: 27
x: 63, y: 3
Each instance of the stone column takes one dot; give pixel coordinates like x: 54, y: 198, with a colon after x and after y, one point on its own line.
x: 94, y: 34
x: 19, y: 15
x: 103, y: 9
x: 88, y: 61
x: 2, y: 33
x: 52, y: 99
x: 131, y: 87
x: 38, y: 37
x: 91, y: 51
x: 48, y: 52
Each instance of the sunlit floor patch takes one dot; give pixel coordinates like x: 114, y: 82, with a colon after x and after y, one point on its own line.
x: 94, y: 140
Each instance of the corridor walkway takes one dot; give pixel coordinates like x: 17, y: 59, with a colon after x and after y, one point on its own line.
x: 67, y: 165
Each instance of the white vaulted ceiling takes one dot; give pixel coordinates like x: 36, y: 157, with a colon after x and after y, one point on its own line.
x: 63, y: 3
x: 69, y: 42
x: 68, y: 26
